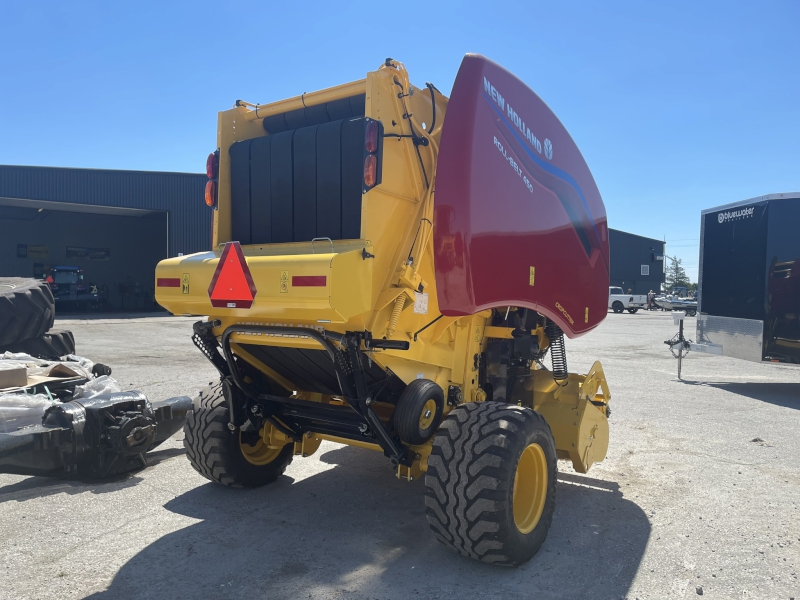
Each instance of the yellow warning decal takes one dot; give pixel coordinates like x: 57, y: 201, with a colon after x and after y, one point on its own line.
x: 586, y: 318
x: 284, y: 282
x: 533, y: 274
x: 185, y: 283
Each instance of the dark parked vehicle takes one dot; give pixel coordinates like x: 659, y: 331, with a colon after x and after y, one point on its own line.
x: 750, y: 280
x: 69, y: 287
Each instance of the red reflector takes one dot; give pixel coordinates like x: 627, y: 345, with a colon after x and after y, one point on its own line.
x: 211, y: 193
x: 168, y: 282
x: 370, y: 170
x: 309, y: 280
x: 232, y: 285
x: 211, y: 166
x: 371, y: 137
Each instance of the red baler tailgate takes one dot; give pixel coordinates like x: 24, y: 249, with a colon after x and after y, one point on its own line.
x: 519, y: 220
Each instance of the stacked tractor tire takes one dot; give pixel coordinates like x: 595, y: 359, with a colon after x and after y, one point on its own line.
x: 27, y: 310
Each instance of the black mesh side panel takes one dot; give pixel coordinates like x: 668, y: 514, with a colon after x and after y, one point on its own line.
x: 345, y: 108
x: 305, y: 184
x: 240, y: 191
x: 260, y: 190
x: 282, y: 183
x: 317, y: 115
x: 329, y: 183
x: 316, y: 367
x: 340, y: 109
x: 302, y: 183
x: 289, y: 363
x: 309, y: 370
x: 352, y: 175
x: 275, y: 124
x: 295, y: 119
x: 358, y: 105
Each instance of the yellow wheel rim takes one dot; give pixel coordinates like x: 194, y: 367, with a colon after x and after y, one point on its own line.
x: 260, y: 454
x: 530, y: 488
x: 428, y: 414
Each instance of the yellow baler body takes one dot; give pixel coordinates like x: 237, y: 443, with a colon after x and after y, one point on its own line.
x: 371, y: 285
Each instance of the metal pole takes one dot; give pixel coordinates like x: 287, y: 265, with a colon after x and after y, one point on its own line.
x: 680, y: 348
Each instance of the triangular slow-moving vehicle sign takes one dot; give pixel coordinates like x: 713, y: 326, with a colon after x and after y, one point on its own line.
x: 232, y: 285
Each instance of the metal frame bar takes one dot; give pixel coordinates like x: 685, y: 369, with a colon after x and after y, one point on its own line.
x: 359, y: 399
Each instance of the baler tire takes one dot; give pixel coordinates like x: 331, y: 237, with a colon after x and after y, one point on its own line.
x: 617, y: 307
x: 214, y: 451
x: 409, y: 421
x: 632, y: 310
x: 51, y: 346
x: 27, y: 309
x: 470, y: 482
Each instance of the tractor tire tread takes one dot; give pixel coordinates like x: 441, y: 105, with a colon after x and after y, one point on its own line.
x: 27, y: 309
x: 470, y: 468
x: 212, y: 449
x: 53, y: 345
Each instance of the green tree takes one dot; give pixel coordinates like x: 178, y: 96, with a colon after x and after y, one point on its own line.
x: 676, y: 274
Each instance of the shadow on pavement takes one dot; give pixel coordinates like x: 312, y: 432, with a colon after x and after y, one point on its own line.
x: 111, y: 315
x: 355, y: 531
x: 158, y: 456
x: 38, y: 487
x: 781, y: 394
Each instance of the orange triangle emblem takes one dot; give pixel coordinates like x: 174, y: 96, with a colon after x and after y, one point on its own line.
x: 232, y: 285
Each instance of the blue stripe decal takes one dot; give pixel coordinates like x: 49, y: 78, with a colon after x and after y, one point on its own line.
x: 549, y: 167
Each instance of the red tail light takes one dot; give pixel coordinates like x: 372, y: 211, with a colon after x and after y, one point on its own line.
x: 370, y: 171
x: 212, y: 166
x: 211, y: 192
x: 371, y: 137
x: 373, y: 154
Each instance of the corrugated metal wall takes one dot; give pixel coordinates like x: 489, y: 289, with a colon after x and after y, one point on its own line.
x: 178, y: 194
x: 135, y: 244
x: 628, y: 253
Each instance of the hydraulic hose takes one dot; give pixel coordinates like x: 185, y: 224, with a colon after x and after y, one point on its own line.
x: 426, y: 209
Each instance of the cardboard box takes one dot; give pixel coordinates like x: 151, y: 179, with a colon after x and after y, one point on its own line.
x: 13, y: 377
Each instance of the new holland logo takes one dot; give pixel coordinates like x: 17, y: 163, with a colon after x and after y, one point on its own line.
x: 548, y: 149
x: 744, y: 213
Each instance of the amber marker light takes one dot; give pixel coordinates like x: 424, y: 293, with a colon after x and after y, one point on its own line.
x: 370, y: 170
x: 211, y: 192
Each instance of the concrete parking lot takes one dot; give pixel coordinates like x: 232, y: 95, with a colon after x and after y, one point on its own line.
x: 699, y: 495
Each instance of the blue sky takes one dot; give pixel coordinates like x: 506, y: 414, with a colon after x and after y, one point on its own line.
x: 676, y: 106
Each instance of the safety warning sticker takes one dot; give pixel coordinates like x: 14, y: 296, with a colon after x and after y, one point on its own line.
x: 420, y: 303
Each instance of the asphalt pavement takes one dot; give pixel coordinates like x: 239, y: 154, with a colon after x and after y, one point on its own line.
x: 699, y: 495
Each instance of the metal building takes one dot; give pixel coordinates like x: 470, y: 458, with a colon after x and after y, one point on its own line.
x: 637, y: 263
x: 115, y: 225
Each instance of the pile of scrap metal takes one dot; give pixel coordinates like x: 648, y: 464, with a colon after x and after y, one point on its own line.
x: 64, y: 415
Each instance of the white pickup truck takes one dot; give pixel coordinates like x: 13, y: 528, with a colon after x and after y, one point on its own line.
x: 618, y: 302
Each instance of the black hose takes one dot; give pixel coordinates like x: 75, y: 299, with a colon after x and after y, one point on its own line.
x: 433, y: 103
x: 413, y: 134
